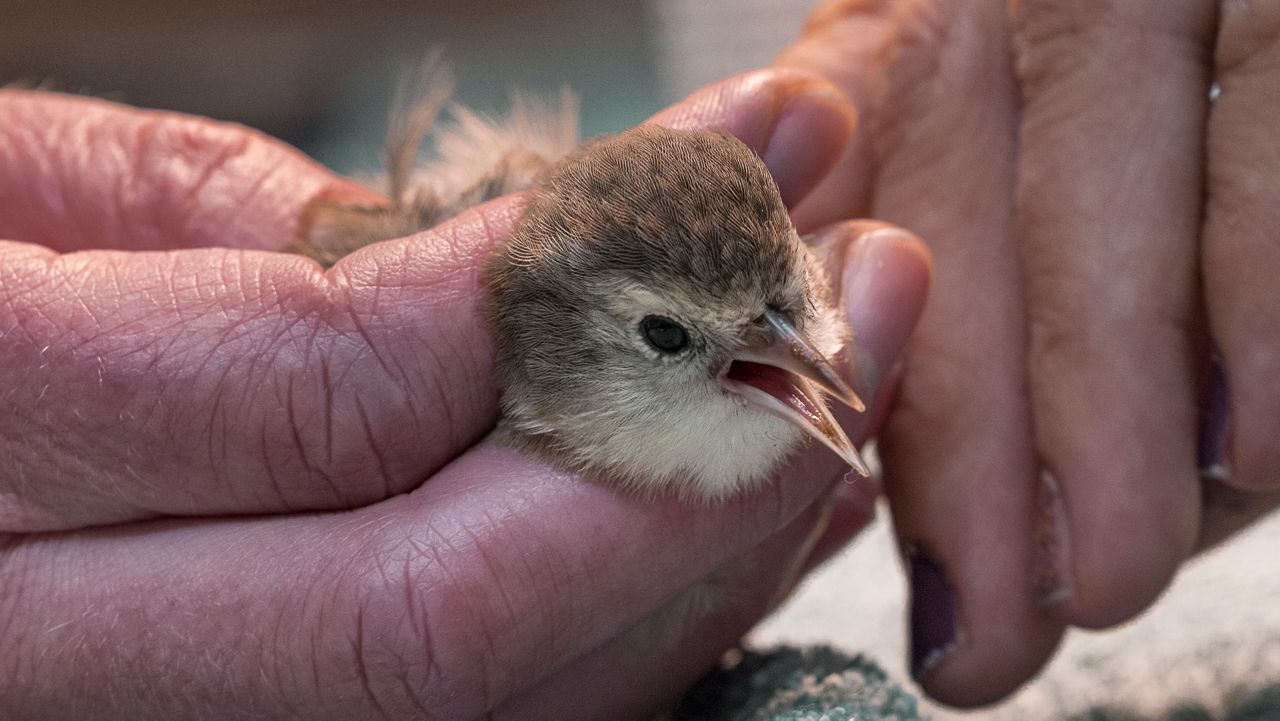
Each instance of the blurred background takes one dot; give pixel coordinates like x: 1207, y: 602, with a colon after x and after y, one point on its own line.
x: 320, y: 73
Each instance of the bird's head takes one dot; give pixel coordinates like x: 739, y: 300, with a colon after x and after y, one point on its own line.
x: 660, y: 323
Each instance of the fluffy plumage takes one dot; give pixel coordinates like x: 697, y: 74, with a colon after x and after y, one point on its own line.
x: 683, y: 225
x: 687, y: 225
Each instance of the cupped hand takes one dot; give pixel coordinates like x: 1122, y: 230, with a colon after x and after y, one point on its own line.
x: 1099, y: 225
x: 235, y: 486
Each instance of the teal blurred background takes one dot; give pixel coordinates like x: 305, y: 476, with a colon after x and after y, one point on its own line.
x: 320, y: 74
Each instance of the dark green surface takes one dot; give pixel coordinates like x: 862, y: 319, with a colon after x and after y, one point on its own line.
x: 789, y: 684
x: 823, y: 684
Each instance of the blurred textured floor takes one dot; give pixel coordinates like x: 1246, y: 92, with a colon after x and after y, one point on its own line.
x: 1216, y: 629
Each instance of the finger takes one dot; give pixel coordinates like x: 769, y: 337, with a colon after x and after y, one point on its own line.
x: 844, y: 42
x: 1110, y: 183
x: 1241, y: 254
x: 811, y: 122
x: 938, y: 130
x: 258, y: 383
x: 450, y: 598
x: 336, y: 616
x: 1226, y: 507
x: 641, y: 550
x: 643, y: 670
x: 79, y: 173
x: 217, y: 381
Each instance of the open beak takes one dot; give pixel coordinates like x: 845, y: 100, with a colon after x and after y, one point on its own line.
x: 782, y: 372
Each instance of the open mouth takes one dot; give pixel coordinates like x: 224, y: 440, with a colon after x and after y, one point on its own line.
x: 784, y: 374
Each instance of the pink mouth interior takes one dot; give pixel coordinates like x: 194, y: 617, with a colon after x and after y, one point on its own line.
x: 782, y: 385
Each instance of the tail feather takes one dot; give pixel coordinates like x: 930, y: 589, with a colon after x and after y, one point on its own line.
x: 418, y: 101
x: 477, y: 158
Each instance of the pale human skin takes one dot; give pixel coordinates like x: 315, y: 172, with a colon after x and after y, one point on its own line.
x: 1096, y: 221
x: 266, y: 492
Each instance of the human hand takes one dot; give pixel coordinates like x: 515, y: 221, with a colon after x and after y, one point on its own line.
x: 235, y: 486
x: 1041, y: 459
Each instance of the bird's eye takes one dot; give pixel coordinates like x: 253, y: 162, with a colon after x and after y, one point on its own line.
x: 664, y: 334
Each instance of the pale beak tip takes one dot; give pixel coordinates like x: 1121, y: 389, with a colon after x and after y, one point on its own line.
x: 859, y: 465
x: 855, y: 402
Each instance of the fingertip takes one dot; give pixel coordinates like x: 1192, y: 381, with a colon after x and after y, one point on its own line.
x: 795, y: 120
x: 975, y: 676
x: 975, y: 642
x: 883, y: 282
x: 1115, y: 579
x: 84, y: 173
x: 345, y: 192
x: 808, y: 138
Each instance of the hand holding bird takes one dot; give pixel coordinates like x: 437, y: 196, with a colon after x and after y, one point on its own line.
x: 338, y: 537
x: 659, y: 322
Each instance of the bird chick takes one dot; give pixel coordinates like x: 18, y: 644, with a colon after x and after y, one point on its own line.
x: 659, y: 323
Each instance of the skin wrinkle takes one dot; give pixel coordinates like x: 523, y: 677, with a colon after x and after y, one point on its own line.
x: 294, y: 427
x: 352, y: 312
x: 435, y: 368
x: 299, y: 447
x: 123, y: 190
x: 656, y: 641
x: 269, y: 468
x: 399, y: 665
x: 315, y: 656
x: 371, y: 442
x: 14, y: 580
x: 359, y: 665
x: 333, y: 614
x: 219, y: 431
x: 433, y: 670
x: 466, y: 542
x: 62, y: 188
x: 406, y: 580
x: 226, y: 155
x: 214, y: 165
x: 411, y: 693
x: 124, y: 194
x: 432, y: 652
x: 401, y: 378
x: 488, y: 661
x: 496, y: 574
x: 327, y: 386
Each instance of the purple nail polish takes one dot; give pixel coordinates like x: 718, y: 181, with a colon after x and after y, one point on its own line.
x: 1215, y: 423
x: 933, y: 613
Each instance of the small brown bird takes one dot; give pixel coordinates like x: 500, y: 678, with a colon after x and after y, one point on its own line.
x: 659, y: 322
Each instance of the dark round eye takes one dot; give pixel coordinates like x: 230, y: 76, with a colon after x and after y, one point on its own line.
x: 664, y: 334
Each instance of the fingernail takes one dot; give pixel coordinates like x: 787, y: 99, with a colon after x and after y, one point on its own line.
x: 1051, y: 569
x: 1215, y: 423
x: 934, y: 629
x: 811, y: 130
x: 879, y: 336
